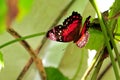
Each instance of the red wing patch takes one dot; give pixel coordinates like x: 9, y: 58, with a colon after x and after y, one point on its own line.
x: 70, y: 30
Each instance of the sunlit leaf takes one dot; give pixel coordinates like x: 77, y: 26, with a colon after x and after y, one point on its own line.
x: 114, y: 13
x: 54, y: 74
x: 115, y: 8
x: 3, y: 10
x: 1, y: 61
x: 24, y: 7
x: 115, y: 18
x: 96, y: 39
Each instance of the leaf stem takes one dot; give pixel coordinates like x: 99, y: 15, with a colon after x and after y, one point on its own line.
x: 93, y: 2
x: 22, y: 38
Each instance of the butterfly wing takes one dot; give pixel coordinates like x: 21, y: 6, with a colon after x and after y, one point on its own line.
x: 84, y: 35
x: 68, y: 31
x: 83, y: 40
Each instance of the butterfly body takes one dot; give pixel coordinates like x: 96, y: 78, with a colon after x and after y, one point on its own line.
x: 70, y: 30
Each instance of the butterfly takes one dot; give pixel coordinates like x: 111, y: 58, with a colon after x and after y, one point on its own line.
x: 71, y: 30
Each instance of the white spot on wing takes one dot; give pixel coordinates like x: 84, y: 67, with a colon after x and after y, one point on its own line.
x: 52, y: 36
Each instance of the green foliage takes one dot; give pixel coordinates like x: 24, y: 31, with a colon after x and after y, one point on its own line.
x: 54, y: 74
x: 96, y: 39
x: 1, y: 61
x: 115, y: 8
x: 24, y: 7
x: 117, y: 30
x: 114, y: 12
x: 3, y: 10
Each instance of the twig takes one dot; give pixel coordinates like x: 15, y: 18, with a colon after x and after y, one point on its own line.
x: 105, y: 70
x: 28, y: 64
x: 22, y: 38
x: 37, y: 61
x: 104, y: 54
x: 30, y: 61
x: 88, y: 70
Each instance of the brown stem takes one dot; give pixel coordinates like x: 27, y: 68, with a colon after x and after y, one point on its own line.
x: 105, y: 70
x: 28, y: 64
x: 35, y: 58
x: 26, y: 67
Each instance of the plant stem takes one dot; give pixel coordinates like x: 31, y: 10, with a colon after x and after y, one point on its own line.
x: 114, y: 45
x: 105, y: 71
x: 92, y: 64
x: 98, y: 66
x: 96, y: 71
x: 32, y: 53
x: 93, y: 2
x: 22, y: 38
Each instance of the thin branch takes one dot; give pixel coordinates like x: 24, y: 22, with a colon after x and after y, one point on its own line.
x: 22, y: 38
x: 88, y: 70
x: 25, y: 69
x: 102, y: 57
x: 105, y: 70
x: 28, y: 64
x: 37, y: 61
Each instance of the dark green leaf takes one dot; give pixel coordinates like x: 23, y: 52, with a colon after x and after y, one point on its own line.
x: 54, y: 74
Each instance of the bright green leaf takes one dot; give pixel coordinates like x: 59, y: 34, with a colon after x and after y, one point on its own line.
x: 3, y: 10
x: 54, y: 74
x: 115, y: 8
x: 118, y: 30
x: 96, y: 39
x: 24, y: 7
x: 114, y: 11
x: 1, y: 61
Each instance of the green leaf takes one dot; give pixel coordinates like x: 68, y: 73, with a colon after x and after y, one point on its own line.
x: 117, y: 30
x: 54, y: 74
x: 1, y: 61
x: 3, y: 10
x: 115, y: 8
x: 24, y: 7
x: 114, y: 11
x: 96, y: 39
